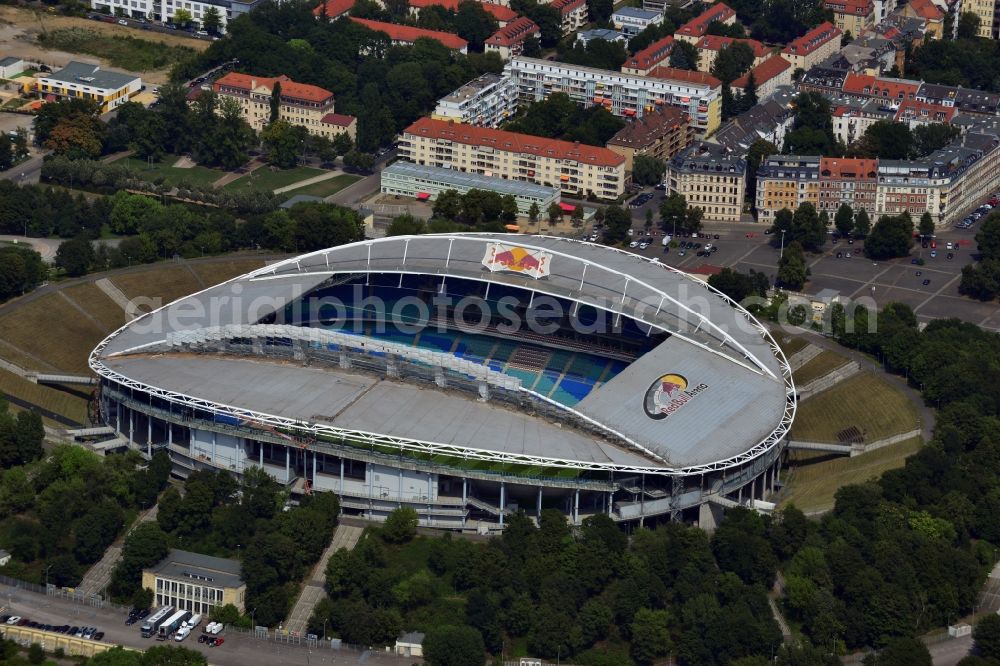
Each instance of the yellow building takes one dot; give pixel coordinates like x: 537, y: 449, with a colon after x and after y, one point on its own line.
x: 852, y: 16
x: 194, y: 582
x: 574, y: 168
x: 933, y: 17
x: 786, y: 181
x: 710, y: 177
x: 79, y: 80
x: 301, y: 104
x: 984, y: 9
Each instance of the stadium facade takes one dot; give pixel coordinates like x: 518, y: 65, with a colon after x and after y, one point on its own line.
x: 465, y: 376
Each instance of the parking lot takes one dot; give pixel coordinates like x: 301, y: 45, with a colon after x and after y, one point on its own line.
x: 744, y: 246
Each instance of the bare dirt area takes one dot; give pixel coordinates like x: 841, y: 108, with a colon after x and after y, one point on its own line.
x: 19, y: 30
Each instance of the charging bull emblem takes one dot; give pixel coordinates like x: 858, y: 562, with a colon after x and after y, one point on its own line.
x: 503, y: 257
x: 668, y: 394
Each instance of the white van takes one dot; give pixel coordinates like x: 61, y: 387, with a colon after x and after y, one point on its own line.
x: 194, y: 621
x: 182, y: 633
x: 666, y: 239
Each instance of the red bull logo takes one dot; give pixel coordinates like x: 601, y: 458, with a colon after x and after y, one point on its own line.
x: 668, y: 394
x: 503, y: 257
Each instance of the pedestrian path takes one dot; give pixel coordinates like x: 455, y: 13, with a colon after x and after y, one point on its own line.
x: 99, y: 575
x: 345, y: 536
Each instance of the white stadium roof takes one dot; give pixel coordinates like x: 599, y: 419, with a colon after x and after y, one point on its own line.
x: 742, y: 405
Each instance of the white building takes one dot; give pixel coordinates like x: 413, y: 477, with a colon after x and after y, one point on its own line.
x: 81, y: 80
x: 608, y: 35
x: 486, y: 101
x: 165, y: 10
x: 632, y: 20
x: 622, y: 94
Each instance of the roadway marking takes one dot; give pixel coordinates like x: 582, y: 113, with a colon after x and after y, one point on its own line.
x: 873, y: 281
x: 938, y: 292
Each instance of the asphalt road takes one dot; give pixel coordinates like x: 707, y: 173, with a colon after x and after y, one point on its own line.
x: 238, y: 649
x: 150, y: 26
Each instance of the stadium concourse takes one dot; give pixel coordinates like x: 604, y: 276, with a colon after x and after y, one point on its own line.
x: 463, y: 375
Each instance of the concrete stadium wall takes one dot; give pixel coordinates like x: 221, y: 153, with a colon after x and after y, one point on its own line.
x: 51, y: 641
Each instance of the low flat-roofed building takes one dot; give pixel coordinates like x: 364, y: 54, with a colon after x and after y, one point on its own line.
x: 509, y: 40
x: 425, y: 183
x: 660, y: 134
x: 11, y: 66
x: 485, y: 101
x: 585, y: 36
x: 195, y: 582
x: 80, y: 80
x: 633, y: 20
x: 711, y: 177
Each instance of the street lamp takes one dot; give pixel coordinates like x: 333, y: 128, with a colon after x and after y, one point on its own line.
x: 781, y: 255
x: 324, y: 629
x: 252, y: 623
x: 47, y: 578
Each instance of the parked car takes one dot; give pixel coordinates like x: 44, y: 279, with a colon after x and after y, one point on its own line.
x: 926, y: 282
x: 99, y: 636
x: 122, y: 22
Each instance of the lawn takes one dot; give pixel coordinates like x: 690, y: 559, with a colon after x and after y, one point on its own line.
x: 60, y: 402
x: 214, y: 272
x: 820, y: 365
x: 865, y: 400
x: 164, y: 282
x: 196, y: 175
x: 98, y: 304
x: 326, y: 187
x: 265, y: 178
x: 790, y: 344
x: 50, y: 329
x: 127, y: 52
x: 811, y: 485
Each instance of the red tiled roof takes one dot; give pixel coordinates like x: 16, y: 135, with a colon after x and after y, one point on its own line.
x: 686, y: 75
x: 697, y: 26
x: 717, y: 43
x: 856, y: 7
x: 847, y: 168
x: 813, y: 39
x: 408, y: 34
x: 514, y: 32
x: 927, y: 10
x: 289, y: 88
x: 514, y: 142
x: 334, y: 8
x: 338, y: 119
x: 656, y: 52
x: 499, y: 12
x: 567, y: 6
x: 763, y: 72
x: 870, y: 86
x: 912, y: 108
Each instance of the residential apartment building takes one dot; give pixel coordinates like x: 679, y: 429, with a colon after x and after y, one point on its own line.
x: 697, y: 93
x: 509, y: 40
x: 914, y: 113
x: 985, y: 10
x: 847, y: 180
x: 813, y: 47
x: 697, y: 27
x: 660, y: 134
x: 906, y: 186
x: 405, y: 35
x: 851, y: 121
x: 573, y: 14
x: 767, y: 76
x: 931, y: 14
x: 630, y: 21
x: 302, y: 104
x: 853, y: 16
x: 486, y: 101
x: 710, y: 177
x: 786, y: 181
x: 80, y: 80
x: 195, y: 582
x: 425, y: 183
x: 710, y: 46
x: 165, y: 10
x: 965, y: 100
x: 644, y: 61
x: 882, y: 90
x: 767, y: 121
x: 333, y: 9
x: 576, y: 169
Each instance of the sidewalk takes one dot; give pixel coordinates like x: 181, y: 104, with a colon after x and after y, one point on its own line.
x: 345, y: 536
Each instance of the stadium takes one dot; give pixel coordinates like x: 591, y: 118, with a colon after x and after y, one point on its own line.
x: 466, y: 376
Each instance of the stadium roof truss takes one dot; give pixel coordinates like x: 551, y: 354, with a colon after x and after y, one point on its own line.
x: 300, y: 266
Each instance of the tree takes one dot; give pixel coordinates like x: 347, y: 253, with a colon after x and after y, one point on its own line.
x: 211, y: 21
x: 283, y: 142
x: 532, y: 48
x: 6, y: 152
x: 887, y: 140
x: 732, y: 62
x: 600, y: 10
x: 929, y: 137
x: 792, y: 270
x: 673, y: 213
x: 891, y: 237
x: 987, y: 636
x: 359, y: 161
x: 405, y: 225
x: 36, y: 655
x: 648, y: 170
x: 738, y: 286
x: 533, y: 212
x: 275, y: 102
x: 808, y: 228
x: 75, y: 256
x: 650, y: 635
x: 617, y: 222
x: 400, y: 525
x: 473, y: 23
x: 555, y: 213
x: 862, y: 223
x: 77, y: 137
x: 988, y: 237
x: 143, y: 598
x: 684, y: 55
x: 968, y: 25
x: 843, y: 220
x: 926, y: 224
x: 449, y: 645
x: 904, y: 652
x: 182, y: 17
x: 812, y: 129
